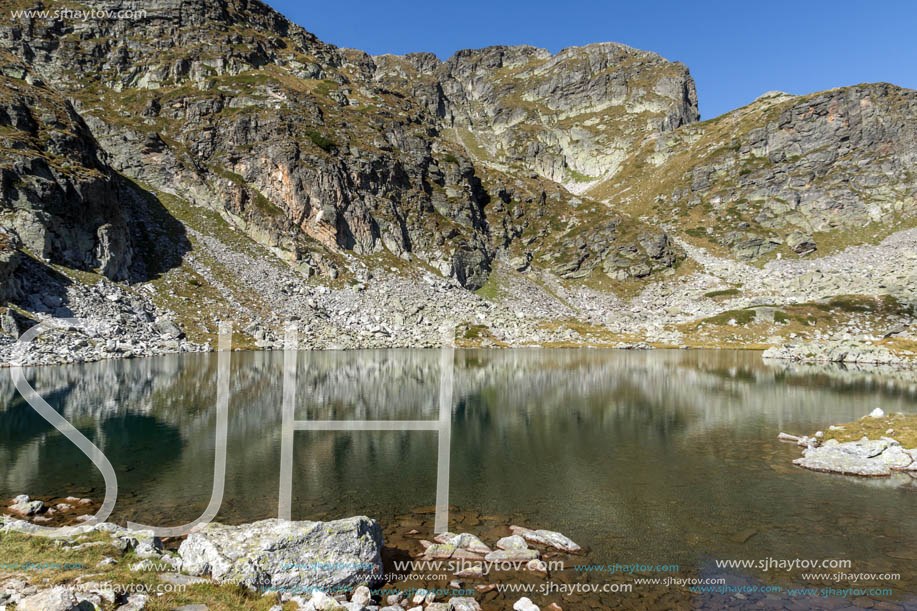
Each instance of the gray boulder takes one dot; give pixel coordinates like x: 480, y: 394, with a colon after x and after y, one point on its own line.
x: 285, y: 554
x: 54, y: 599
x: 800, y: 242
x: 27, y: 507
x: 549, y: 538
x: 867, y: 458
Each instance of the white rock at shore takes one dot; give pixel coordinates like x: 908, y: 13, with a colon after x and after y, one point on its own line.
x: 548, y: 538
x: 286, y: 554
x: 867, y: 458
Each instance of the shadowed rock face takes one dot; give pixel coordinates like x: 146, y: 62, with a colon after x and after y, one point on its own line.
x: 58, y: 198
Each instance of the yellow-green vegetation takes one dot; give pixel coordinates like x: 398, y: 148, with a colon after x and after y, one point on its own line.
x: 744, y: 326
x: 722, y: 293
x: 321, y: 141
x: 491, y: 288
x: 902, y: 427
x: 899, y: 344
x: 646, y: 182
x: 21, y: 548
x: 472, y: 335
x: 732, y: 317
x: 578, y: 176
x: 588, y: 335
x: 468, y: 140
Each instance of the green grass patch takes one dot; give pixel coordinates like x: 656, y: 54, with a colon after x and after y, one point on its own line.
x: 490, y: 290
x: 741, y: 317
x: 904, y: 427
x: 474, y: 331
x: 22, y: 548
x: 722, y: 293
x: 321, y: 141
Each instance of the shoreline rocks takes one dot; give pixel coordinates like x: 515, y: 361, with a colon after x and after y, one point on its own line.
x: 284, y: 555
x: 864, y: 457
x: 838, y: 351
x: 313, y: 565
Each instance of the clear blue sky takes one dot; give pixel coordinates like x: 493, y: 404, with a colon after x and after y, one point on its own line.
x: 736, y: 50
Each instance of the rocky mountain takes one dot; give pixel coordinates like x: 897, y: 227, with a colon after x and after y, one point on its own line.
x: 785, y: 174
x: 210, y: 160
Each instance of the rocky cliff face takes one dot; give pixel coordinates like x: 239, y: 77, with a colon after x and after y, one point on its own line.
x: 785, y: 174
x: 315, y: 151
x: 219, y: 161
x: 570, y: 117
x: 58, y: 199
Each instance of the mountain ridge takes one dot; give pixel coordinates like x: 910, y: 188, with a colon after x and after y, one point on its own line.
x: 580, y: 182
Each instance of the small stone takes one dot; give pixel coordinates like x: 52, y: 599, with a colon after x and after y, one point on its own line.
x: 439, y: 551
x: 135, y: 602
x: 877, y: 413
x: 27, y: 508
x: 512, y: 555
x: 464, y: 603
x: 362, y: 595
x: 537, y: 566
x: 321, y: 601
x: 512, y: 542
x: 472, y: 572
x: 524, y: 604
x: 548, y: 538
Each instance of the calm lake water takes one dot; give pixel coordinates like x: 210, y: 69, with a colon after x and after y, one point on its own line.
x: 658, y: 457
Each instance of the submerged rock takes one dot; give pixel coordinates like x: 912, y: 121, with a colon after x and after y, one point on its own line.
x: 548, y: 538
x: 26, y: 507
x: 512, y: 555
x: 512, y: 542
x: 283, y: 554
x: 464, y: 541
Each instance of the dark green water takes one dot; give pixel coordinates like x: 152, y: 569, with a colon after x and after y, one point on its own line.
x: 660, y: 457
